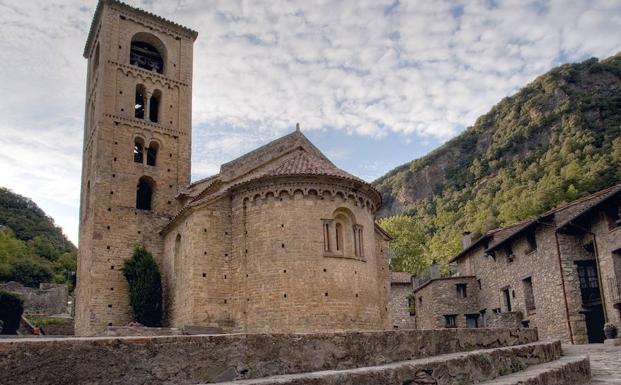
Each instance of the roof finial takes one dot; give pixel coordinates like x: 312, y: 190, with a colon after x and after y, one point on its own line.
x: 297, y: 127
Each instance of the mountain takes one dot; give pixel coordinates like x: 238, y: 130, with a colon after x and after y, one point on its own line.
x: 32, y: 248
x: 557, y: 139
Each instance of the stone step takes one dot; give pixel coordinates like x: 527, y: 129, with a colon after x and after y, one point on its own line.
x: 456, y: 368
x: 564, y: 371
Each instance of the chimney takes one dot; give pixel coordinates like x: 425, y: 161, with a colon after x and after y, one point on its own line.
x: 466, y: 239
x: 434, y: 270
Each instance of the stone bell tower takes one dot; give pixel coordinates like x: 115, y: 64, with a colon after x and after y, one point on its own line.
x: 136, y: 154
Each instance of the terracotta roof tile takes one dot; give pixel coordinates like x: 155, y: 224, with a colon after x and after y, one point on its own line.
x: 304, y: 163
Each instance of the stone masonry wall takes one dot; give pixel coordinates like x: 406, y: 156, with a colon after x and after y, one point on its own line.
x: 399, y: 306
x: 49, y: 299
x: 541, y: 265
x: 438, y: 298
x: 110, y: 225
x: 201, y: 359
x: 278, y: 251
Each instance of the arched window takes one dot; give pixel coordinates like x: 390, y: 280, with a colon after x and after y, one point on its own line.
x: 138, y: 150
x: 152, y: 153
x: 146, y: 56
x: 154, y: 106
x: 144, y: 193
x: 139, y: 103
x: 347, y: 234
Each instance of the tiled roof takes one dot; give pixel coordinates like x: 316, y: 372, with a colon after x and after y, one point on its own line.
x: 306, y: 164
x: 400, y: 277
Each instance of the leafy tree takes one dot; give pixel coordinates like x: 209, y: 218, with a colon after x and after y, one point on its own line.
x: 30, y: 272
x: 407, y: 244
x: 145, y: 287
x: 11, y: 309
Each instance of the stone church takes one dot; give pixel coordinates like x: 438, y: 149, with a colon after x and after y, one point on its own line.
x: 280, y: 240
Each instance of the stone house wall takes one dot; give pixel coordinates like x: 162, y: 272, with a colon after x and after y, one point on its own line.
x: 399, y: 306
x: 499, y: 272
x: 48, y: 299
x: 439, y: 298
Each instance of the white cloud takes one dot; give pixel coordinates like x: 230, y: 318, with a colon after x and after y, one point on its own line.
x: 371, y: 68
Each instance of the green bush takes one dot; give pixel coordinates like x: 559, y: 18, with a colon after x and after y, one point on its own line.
x: 11, y: 309
x: 145, y: 287
x: 30, y: 273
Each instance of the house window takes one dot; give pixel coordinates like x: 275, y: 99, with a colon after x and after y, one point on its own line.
x: 612, y: 215
x: 509, y: 252
x: 529, y: 297
x: 450, y: 321
x: 532, y: 241
x: 472, y: 321
x: 462, y: 290
x: 411, y: 306
x: 506, y: 296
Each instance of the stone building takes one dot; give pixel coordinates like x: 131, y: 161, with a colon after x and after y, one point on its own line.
x: 279, y: 240
x: 400, y: 305
x: 559, y: 272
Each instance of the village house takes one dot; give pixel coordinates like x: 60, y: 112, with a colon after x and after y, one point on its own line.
x: 400, y: 305
x: 559, y: 272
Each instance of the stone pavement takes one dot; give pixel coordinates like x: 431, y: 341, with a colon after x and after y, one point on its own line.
x: 605, y: 361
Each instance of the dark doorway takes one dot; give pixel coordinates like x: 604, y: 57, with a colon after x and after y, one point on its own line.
x: 594, y: 318
x: 591, y: 300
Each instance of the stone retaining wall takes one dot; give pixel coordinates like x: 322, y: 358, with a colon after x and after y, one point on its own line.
x: 210, y: 358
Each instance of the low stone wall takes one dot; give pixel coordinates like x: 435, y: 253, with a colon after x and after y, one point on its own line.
x: 49, y: 299
x: 211, y: 358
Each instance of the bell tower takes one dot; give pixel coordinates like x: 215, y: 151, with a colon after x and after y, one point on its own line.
x: 136, y: 153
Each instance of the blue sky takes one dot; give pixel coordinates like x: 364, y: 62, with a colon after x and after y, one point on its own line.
x: 373, y: 83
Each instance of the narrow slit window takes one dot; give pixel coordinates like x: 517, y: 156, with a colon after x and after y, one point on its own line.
x: 339, y: 237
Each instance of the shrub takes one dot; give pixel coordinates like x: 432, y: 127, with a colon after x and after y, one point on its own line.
x: 145, y: 287
x: 11, y: 309
x: 30, y: 273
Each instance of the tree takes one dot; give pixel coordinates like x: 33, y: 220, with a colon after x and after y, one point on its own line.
x: 30, y: 272
x: 11, y: 309
x: 145, y: 287
x: 407, y: 244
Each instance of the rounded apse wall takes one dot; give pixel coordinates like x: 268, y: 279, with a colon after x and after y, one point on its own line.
x: 306, y: 258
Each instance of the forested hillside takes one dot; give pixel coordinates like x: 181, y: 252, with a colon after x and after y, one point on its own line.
x: 555, y: 140
x: 32, y: 248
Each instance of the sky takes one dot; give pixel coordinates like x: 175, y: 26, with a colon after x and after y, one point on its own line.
x: 373, y: 84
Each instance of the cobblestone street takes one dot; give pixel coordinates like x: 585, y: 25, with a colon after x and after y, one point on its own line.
x: 605, y: 361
